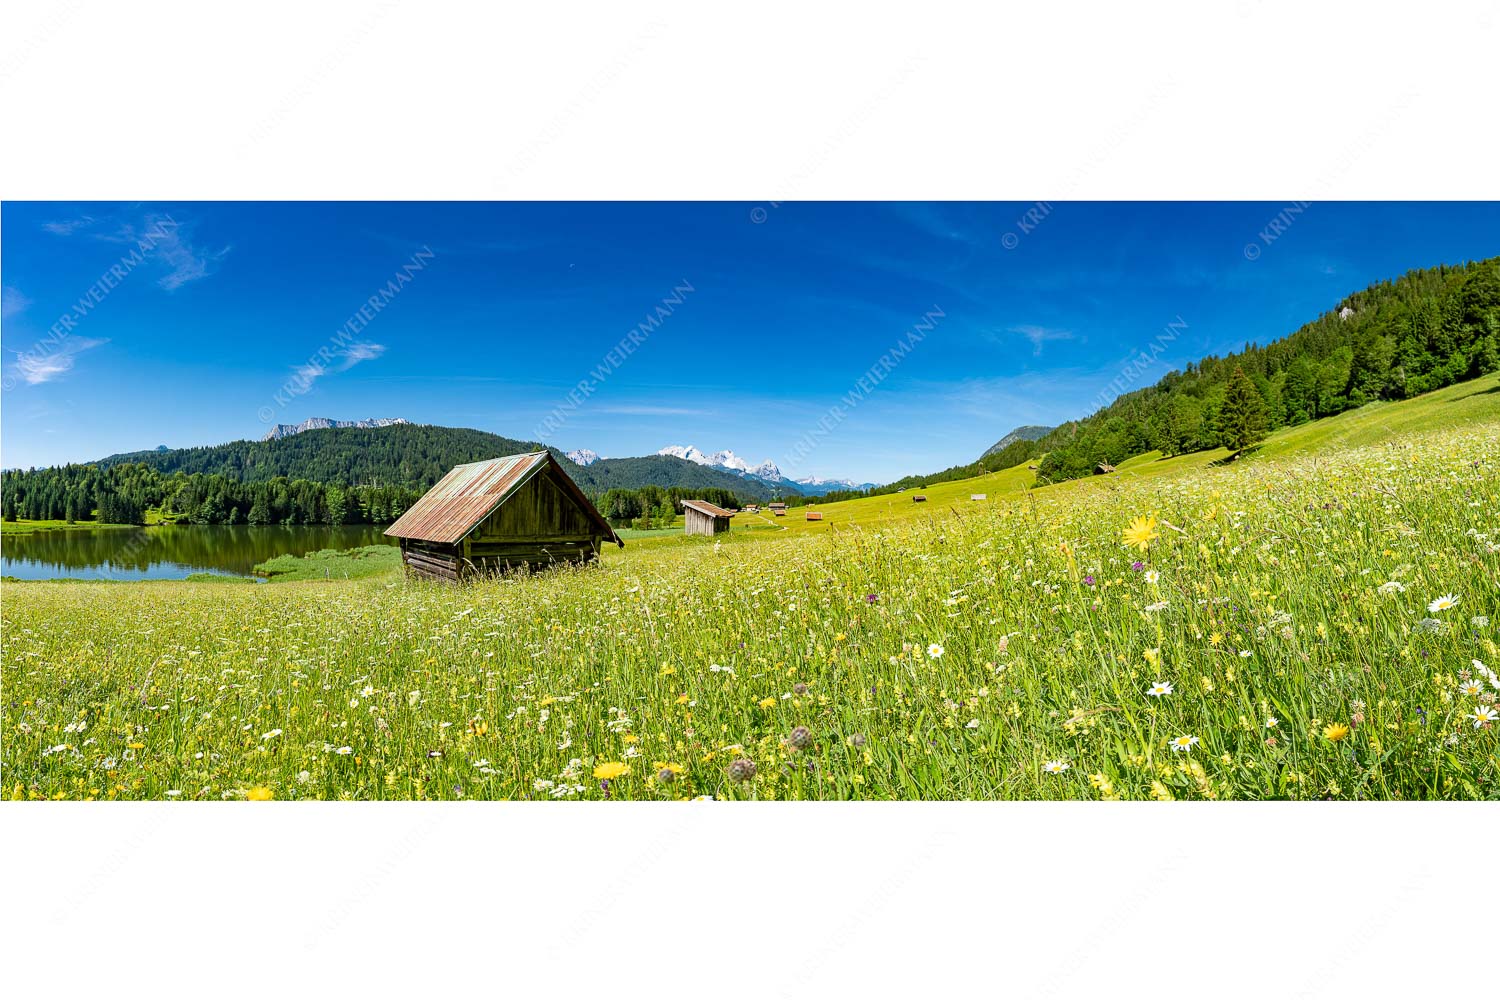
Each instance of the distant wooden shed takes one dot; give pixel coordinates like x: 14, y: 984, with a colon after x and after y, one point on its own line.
x: 919, y: 498
x: 1103, y: 469
x: 699, y: 517
x: 486, y: 517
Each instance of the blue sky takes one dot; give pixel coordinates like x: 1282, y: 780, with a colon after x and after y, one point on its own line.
x: 129, y: 326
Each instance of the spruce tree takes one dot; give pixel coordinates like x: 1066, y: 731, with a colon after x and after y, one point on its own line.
x: 1242, y: 416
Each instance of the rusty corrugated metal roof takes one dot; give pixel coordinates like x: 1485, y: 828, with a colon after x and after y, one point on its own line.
x: 704, y: 507
x: 469, y: 493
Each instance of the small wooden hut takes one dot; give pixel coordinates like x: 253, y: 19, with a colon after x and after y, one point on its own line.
x: 699, y: 517
x: 507, y: 512
x: 919, y: 498
x: 815, y: 515
x: 1103, y: 469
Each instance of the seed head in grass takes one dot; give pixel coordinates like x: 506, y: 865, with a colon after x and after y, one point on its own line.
x: 741, y: 769
x: 800, y: 738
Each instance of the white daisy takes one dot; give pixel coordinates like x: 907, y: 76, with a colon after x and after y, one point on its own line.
x: 1271, y: 722
x: 1055, y: 766
x: 1471, y: 688
x: 935, y: 651
x: 1184, y: 743
x: 1152, y: 576
x: 1443, y: 603
x: 1159, y: 688
x: 1483, y: 715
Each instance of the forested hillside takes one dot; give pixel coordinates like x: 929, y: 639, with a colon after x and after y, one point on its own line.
x: 122, y: 494
x: 415, y: 456
x: 1394, y: 340
x: 331, y: 476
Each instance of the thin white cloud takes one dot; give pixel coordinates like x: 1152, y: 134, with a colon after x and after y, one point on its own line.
x: 12, y: 302
x: 355, y: 353
x: 67, y: 227
x: 165, y: 242
x: 1039, y: 335
x: 174, y: 251
x: 339, y: 361
x: 655, y: 411
x: 38, y: 365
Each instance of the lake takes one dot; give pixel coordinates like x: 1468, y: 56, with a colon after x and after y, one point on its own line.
x: 168, y: 551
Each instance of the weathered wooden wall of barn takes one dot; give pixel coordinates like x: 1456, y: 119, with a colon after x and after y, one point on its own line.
x: 537, y: 525
x: 695, y: 522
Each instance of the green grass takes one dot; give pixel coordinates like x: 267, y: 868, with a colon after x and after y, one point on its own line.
x: 1002, y: 649
x: 24, y: 527
x: 631, y: 533
x: 332, y: 564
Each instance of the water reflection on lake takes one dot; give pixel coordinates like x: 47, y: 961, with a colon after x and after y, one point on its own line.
x: 168, y: 551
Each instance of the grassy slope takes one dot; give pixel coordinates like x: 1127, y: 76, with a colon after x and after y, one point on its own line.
x: 1456, y: 406
x: 522, y: 675
x: 333, y: 564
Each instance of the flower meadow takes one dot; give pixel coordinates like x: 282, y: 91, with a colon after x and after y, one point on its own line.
x: 1316, y: 627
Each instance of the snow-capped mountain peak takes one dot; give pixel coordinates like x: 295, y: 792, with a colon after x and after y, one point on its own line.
x: 280, y: 431
x: 724, y: 460
x: 583, y: 456
x: 839, y: 484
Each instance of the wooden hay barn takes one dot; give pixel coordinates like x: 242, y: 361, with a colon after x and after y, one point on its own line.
x: 699, y: 517
x: 486, y: 517
x: 814, y: 515
x: 919, y: 498
x: 978, y: 496
x: 1103, y: 469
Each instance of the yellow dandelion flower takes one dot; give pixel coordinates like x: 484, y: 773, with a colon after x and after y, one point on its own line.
x: 1335, y: 731
x: 260, y: 793
x: 1141, y: 532
x: 611, y: 769
x: 767, y: 703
